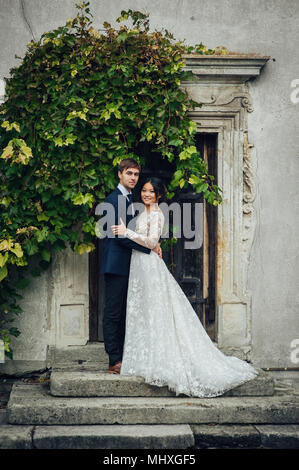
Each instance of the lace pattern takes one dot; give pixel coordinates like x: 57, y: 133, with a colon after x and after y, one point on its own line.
x: 148, y: 228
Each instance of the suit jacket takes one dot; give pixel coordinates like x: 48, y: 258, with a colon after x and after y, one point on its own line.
x: 117, y: 250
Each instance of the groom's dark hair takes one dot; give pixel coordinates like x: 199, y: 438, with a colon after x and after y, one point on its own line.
x: 128, y: 163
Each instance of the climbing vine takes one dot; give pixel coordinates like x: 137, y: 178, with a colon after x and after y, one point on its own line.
x: 79, y: 102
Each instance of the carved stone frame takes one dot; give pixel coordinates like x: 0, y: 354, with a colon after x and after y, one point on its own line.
x: 223, y: 89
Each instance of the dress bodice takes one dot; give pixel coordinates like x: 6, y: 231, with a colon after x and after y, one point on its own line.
x: 149, y: 226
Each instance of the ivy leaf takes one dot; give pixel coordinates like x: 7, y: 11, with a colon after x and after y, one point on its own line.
x: 58, y: 245
x: 41, y: 217
x: 31, y: 246
x: 9, y: 126
x: 3, y: 272
x: 80, y: 199
x: 193, y: 179
x: 178, y: 175
x: 122, y: 37
x: 188, y: 152
x: 22, y: 282
x: 46, y: 254
x: 14, y: 331
x: 3, y: 259
x: 83, y: 248
x: 124, y: 16
x: 175, y: 142
x: 17, y: 250
x: 192, y: 128
x: 42, y: 234
x: 46, y: 196
x: 8, y: 352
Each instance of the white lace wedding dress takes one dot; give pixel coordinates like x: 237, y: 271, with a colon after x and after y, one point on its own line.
x: 165, y: 342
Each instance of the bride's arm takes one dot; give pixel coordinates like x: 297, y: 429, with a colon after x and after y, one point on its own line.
x: 155, y: 231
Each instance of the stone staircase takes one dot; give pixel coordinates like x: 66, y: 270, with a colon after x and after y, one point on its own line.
x: 82, y: 406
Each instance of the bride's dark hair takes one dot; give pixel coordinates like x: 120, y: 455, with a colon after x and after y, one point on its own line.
x: 157, y: 184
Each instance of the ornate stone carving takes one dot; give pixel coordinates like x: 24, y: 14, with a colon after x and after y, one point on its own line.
x: 213, y: 100
x: 249, y: 194
x: 225, y: 104
x: 245, y: 102
x: 221, y: 96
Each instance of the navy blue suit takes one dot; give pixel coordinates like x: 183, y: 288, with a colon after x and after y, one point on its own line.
x: 117, y: 251
x: 115, y: 265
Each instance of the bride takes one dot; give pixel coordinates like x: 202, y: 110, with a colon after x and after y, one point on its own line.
x: 165, y: 342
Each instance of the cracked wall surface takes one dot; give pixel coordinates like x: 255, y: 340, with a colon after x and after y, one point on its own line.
x: 267, y: 28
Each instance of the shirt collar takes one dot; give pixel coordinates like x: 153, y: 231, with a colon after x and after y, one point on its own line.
x: 123, y: 189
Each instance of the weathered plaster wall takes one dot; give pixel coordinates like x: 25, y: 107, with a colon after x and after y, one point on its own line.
x: 34, y: 323
x: 267, y: 27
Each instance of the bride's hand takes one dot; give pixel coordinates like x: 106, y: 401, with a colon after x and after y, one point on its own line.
x: 119, y: 229
x: 158, y: 250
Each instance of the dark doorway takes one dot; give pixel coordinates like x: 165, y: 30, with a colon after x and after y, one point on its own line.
x: 193, y: 269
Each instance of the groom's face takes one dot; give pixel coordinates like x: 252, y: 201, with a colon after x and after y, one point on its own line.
x: 129, y: 178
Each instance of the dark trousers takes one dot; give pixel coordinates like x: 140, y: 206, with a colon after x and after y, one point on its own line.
x: 114, y: 319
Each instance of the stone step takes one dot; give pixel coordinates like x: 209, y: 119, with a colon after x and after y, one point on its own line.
x: 155, y: 436
x: 33, y: 404
x: 15, y: 437
x: 3, y: 415
x: 110, y: 436
x: 246, y: 436
x: 91, y: 355
x: 83, y: 360
x: 89, y: 383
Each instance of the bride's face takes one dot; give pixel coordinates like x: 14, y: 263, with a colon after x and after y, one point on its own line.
x: 148, y: 195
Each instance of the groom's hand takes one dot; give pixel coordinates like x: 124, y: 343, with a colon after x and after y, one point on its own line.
x: 158, y: 250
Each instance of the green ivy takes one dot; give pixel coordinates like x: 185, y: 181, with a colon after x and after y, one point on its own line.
x: 80, y: 101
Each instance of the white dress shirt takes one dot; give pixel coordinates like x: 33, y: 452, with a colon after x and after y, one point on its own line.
x: 125, y: 192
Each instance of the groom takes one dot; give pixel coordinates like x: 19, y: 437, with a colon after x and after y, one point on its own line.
x: 115, y: 266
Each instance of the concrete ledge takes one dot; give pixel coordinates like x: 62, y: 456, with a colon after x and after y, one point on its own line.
x: 279, y: 437
x: 101, y: 384
x: 91, y: 355
x: 201, y: 436
x: 33, y: 404
x: 114, y: 437
x: 262, y: 385
x: 3, y: 415
x: 15, y: 437
x: 18, y: 368
x: 226, y: 436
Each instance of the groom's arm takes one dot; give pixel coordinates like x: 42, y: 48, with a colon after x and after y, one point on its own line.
x: 125, y: 242
x: 132, y: 245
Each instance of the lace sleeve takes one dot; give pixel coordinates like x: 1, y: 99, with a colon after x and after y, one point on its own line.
x: 154, y: 231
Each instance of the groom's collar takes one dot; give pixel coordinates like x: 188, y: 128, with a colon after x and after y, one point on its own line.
x: 123, y: 190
